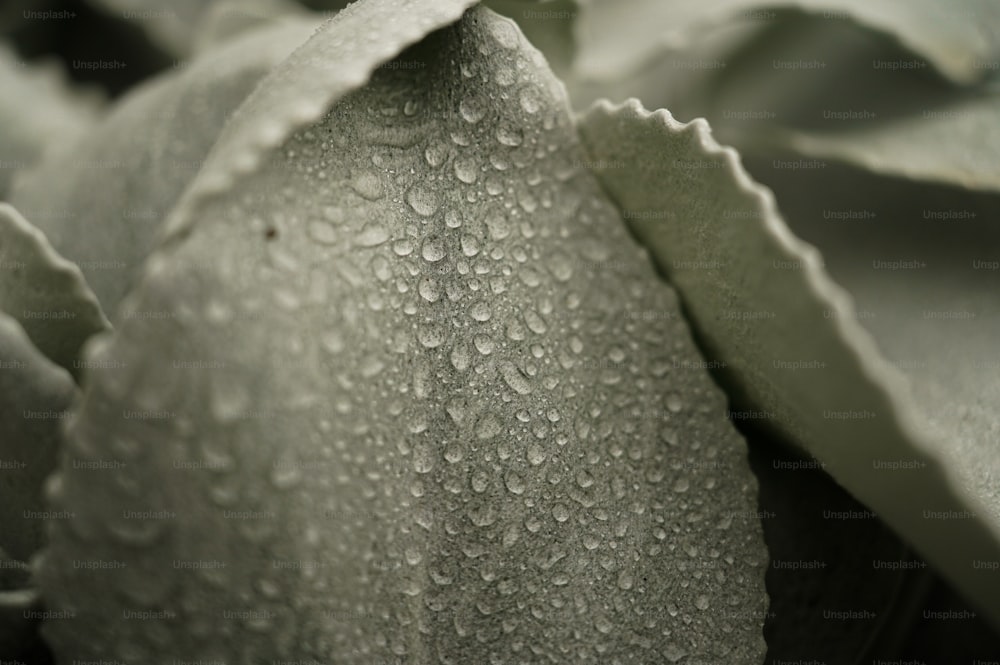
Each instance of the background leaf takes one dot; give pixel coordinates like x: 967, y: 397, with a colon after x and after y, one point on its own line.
x: 763, y: 305
x: 35, y: 395
x: 45, y: 293
x: 37, y: 110
x: 618, y: 36
x: 100, y: 199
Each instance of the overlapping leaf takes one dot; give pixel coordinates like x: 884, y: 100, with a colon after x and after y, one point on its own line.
x: 46, y: 294
x: 100, y: 199
x: 764, y: 306
x: 617, y: 36
x: 464, y: 422
x: 37, y: 110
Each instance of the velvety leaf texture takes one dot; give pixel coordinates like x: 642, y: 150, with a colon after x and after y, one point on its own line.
x: 465, y: 421
x: 786, y: 335
x: 101, y: 198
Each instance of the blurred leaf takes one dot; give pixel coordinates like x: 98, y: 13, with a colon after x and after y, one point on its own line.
x: 19, y: 610
x: 953, y: 141
x: 46, y: 294
x: 617, y: 37
x: 826, y: 100
x: 463, y: 414
x: 226, y: 19
x: 37, y: 110
x: 763, y: 306
x: 34, y: 396
x: 100, y: 199
x: 922, y: 265
x: 171, y: 25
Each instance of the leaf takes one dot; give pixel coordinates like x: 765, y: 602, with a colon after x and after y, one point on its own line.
x: 548, y: 25
x: 299, y: 91
x: 101, y: 199
x: 921, y: 266
x: 37, y: 110
x: 172, y: 26
x: 952, y: 142
x: 34, y: 396
x: 681, y: 78
x: 463, y: 421
x: 830, y: 102
x: 226, y: 19
x: 45, y: 293
x: 763, y: 305
x: 618, y: 36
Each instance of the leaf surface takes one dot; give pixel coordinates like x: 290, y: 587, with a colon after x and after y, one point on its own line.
x: 764, y: 307
x: 463, y: 420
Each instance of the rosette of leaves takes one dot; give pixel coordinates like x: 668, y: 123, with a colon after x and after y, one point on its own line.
x: 386, y: 375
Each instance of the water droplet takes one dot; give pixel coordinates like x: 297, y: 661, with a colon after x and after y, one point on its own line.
x: 509, y: 135
x: 701, y: 602
x: 432, y: 249
x: 487, y: 427
x: 530, y: 101
x: 403, y: 247
x: 466, y: 170
x: 674, y: 403
x: 625, y: 581
x: 472, y: 109
x: 560, y: 512
x: 285, y: 473
x: 368, y: 185
x: 514, y: 483
x: 483, y: 343
x: 453, y: 453
x: 423, y: 201
x: 496, y: 223
x: 480, y: 311
x: 428, y: 289
x: 423, y: 458
x: 682, y: 485
x: 453, y: 219
x: 431, y: 336
x: 603, y: 625
x: 372, y: 235
x: 480, y: 481
x: 536, y: 454
x: 515, y: 378
x: 460, y: 357
x: 494, y: 186
x: 535, y: 322
x: 436, y: 154
x: 470, y: 246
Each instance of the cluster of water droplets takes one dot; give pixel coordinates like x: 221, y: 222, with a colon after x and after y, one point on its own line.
x: 462, y: 427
